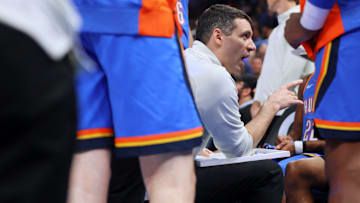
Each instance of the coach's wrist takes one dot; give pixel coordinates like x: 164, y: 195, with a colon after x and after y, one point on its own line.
x: 271, y: 107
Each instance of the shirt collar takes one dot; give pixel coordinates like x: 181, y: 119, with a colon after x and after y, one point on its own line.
x: 201, y: 49
x: 246, y: 103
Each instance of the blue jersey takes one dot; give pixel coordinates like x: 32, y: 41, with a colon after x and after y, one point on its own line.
x: 182, y: 14
x: 308, y: 113
x: 132, y: 17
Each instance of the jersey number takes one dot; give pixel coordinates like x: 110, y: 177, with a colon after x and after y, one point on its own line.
x: 180, y: 12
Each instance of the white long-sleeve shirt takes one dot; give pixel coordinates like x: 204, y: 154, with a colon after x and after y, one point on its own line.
x: 280, y: 65
x: 217, y: 101
x: 51, y: 23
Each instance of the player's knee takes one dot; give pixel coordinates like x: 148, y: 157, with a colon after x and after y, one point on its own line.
x: 294, y: 173
x: 291, y: 173
x: 292, y: 169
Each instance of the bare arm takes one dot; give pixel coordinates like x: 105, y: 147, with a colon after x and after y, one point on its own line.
x: 255, y: 108
x: 315, y: 146
x: 295, y: 34
x: 278, y: 100
x: 303, y: 26
x: 296, y: 131
x: 191, y: 38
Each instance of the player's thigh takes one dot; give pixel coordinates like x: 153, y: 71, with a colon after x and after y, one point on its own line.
x: 343, y: 159
x: 171, y: 165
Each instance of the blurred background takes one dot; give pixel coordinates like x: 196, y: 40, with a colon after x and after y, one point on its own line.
x: 264, y: 20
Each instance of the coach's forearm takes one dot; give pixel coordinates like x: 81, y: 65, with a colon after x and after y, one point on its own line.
x: 258, y: 125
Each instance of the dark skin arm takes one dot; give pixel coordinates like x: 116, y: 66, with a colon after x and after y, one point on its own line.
x: 285, y: 142
x: 296, y: 130
x: 315, y: 146
x: 295, y: 33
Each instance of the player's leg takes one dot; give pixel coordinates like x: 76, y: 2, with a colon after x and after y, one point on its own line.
x: 154, y: 113
x: 90, y: 170
x: 337, y: 116
x: 90, y: 175
x: 343, y: 170
x: 302, y: 176
x: 166, y: 174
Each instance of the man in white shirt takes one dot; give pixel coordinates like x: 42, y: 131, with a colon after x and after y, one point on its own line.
x: 214, y: 56
x: 37, y: 110
x: 223, y: 40
x: 280, y: 64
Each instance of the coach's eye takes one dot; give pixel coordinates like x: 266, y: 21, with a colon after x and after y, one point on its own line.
x: 246, y: 35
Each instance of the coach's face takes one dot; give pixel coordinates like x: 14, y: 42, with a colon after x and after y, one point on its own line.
x: 237, y: 46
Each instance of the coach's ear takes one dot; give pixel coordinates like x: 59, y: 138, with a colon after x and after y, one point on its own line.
x: 217, y: 37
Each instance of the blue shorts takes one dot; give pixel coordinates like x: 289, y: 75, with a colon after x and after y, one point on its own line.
x: 336, y: 97
x: 138, y: 99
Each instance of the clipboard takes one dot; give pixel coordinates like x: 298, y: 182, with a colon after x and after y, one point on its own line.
x: 257, y: 154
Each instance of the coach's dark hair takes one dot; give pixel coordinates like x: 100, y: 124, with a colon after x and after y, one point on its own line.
x: 249, y: 80
x: 218, y: 16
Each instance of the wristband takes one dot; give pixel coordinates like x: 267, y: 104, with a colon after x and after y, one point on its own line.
x: 313, y: 17
x: 304, y: 146
x: 298, y: 147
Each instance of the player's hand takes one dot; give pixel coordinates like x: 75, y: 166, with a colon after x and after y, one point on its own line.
x: 281, y: 139
x: 288, y: 146
x: 295, y: 33
x: 284, y: 97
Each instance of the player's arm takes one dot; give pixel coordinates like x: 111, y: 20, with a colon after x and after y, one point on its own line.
x: 315, y: 146
x: 191, y: 38
x: 303, y: 26
x: 298, y: 147
x: 296, y: 131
